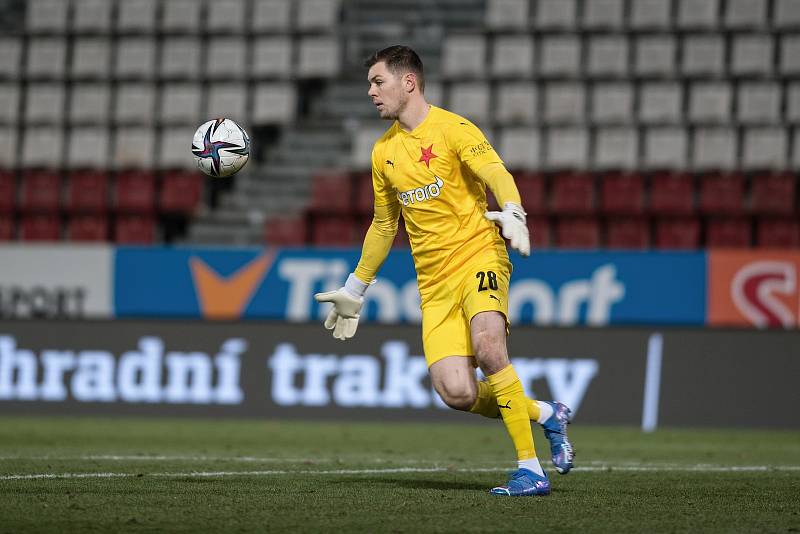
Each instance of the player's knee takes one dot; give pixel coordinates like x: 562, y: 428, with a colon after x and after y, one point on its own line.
x: 456, y: 395
x: 490, y: 351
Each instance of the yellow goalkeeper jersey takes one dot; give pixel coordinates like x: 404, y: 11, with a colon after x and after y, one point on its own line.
x: 431, y: 173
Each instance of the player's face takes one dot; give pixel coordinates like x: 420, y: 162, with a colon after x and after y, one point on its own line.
x: 386, y: 91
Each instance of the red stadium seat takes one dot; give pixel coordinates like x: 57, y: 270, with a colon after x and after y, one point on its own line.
x: 41, y: 192
x: 722, y: 194
x: 134, y: 230
x: 572, y: 194
x: 88, y: 228
x: 365, y: 197
x: 6, y: 228
x: 628, y: 233
x: 622, y: 194
x: 780, y: 232
x: 773, y: 194
x: 678, y: 233
x: 135, y: 192
x: 40, y: 227
x: 8, y: 192
x: 532, y: 190
x: 728, y: 232
x: 539, y: 229
x: 330, y: 230
x: 181, y: 192
x: 671, y: 194
x: 87, y: 192
x: 331, y: 193
x: 285, y: 231
x: 578, y: 232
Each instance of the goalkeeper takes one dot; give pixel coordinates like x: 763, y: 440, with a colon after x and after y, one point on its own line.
x: 433, y: 166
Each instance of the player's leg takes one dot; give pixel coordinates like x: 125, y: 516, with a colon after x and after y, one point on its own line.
x: 453, y: 378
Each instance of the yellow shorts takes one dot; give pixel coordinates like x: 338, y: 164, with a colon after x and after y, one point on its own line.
x: 449, y: 307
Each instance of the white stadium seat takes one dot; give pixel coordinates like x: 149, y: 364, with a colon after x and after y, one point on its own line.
x: 665, y: 148
x: 135, y: 103
x: 564, y: 102
x: 181, y: 15
x: 793, y: 102
x: 227, y: 100
x: 8, y: 148
x: 660, y: 103
x: 92, y: 16
x: 650, y: 14
x: 9, y: 103
x: 227, y: 58
x: 272, y: 57
x: 786, y: 14
x: 512, y: 56
x: 180, y: 103
x: 790, y: 55
x: 364, y: 139
x: 135, y: 58
x: 42, y: 146
x: 603, y: 14
x: 655, y: 56
x: 434, y: 93
x: 10, y: 58
x: 520, y: 147
x: 560, y: 56
x: 516, y: 103
x: 710, y: 102
x: 91, y: 58
x: 556, y: 14
x: 759, y: 103
x: 46, y: 16
x: 507, y: 14
x: 612, y: 103
x: 464, y: 56
x: 714, y: 149
x: 698, y: 14
x: 47, y: 58
x: 567, y: 148
x: 88, y: 147
x: 608, y: 56
x: 616, y: 148
x: 173, y: 152
x: 137, y: 16
x: 765, y: 148
x: 227, y: 16
x: 89, y: 103
x: 743, y: 14
x: 271, y: 16
x: 318, y: 15
x: 180, y: 58
x: 752, y: 55
x: 274, y: 103
x: 45, y: 103
x: 134, y: 148
x: 703, y: 55
x: 471, y: 100
x: 319, y: 57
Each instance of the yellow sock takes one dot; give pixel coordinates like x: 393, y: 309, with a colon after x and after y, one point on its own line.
x: 486, y: 404
x: 513, y: 406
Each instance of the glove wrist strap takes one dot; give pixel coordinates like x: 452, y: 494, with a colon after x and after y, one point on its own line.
x: 355, y: 287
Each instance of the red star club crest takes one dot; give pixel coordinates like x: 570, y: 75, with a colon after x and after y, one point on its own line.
x: 427, y: 155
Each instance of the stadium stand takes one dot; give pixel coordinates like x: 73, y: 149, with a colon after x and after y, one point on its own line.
x: 627, y: 123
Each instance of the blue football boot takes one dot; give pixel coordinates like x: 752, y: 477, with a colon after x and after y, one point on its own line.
x: 555, y: 430
x: 523, y: 483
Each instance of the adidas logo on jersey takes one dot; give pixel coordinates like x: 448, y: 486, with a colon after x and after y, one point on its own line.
x: 421, y: 194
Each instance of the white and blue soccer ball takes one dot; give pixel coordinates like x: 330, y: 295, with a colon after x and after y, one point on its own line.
x: 220, y: 147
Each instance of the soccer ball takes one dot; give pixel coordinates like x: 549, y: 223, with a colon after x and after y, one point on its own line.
x: 220, y: 147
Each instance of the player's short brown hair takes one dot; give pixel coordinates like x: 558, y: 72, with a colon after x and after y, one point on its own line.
x: 399, y: 60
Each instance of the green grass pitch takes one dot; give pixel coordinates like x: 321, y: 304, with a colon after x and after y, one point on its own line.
x: 157, y: 475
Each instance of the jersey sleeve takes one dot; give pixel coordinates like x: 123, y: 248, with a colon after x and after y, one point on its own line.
x: 472, y: 147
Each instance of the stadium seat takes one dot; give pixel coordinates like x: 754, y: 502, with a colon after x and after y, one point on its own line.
x: 46, y: 58
x: 710, y: 103
x: 40, y: 191
x: 607, y: 56
x: 10, y: 65
x: 181, y: 192
x: 471, y: 100
x: 790, y: 55
x: 792, y: 112
x: 89, y: 103
x: 9, y: 141
x: 8, y: 191
x: 91, y: 16
x: 572, y: 193
x: 540, y: 232
x: 364, y: 139
x: 137, y: 16
x: 48, y: 16
x: 774, y: 232
x: 520, y: 147
x: 786, y: 14
x: 678, y: 233
x: 603, y: 14
x: 135, y: 104
x: 226, y: 58
x: 87, y: 228
x: 622, y: 194
x: 180, y: 57
x: 627, y: 233
x: 7, y: 229
x: 728, y: 232
x: 567, y: 148
x: 512, y: 56
x: 44, y: 103
x: 745, y: 14
x: 721, y: 194
x: 773, y: 193
x: 758, y: 103
x: 655, y: 56
x: 272, y: 57
x: 507, y: 14
x: 464, y: 56
x: 275, y: 103
x: 564, y: 103
x: 88, y: 148
x: 180, y: 16
x: 39, y: 227
x: 660, y: 103
x: 42, y: 147
x: 331, y: 193
x: 577, y: 233
x: 9, y: 103
x: 365, y: 196
x: 715, y: 149
x: 318, y: 15
x: 671, y: 194
x: 533, y: 192
x: 87, y: 192
x: 560, y: 56
x: 227, y: 100
x: 612, y: 103
x: 764, y: 148
x: 285, y: 231
x: 134, y: 148
x: 616, y: 148
x: 665, y: 148
x: 91, y: 58
x: 698, y: 14
x: 318, y: 57
x: 752, y: 55
x: 134, y: 230
x: 333, y: 230
x: 180, y: 103
x: 271, y: 16
x: 173, y: 150
x: 650, y: 15
x: 227, y: 16
x: 135, y: 58
x: 134, y: 192
x: 556, y: 15
x: 516, y: 103
x: 703, y: 55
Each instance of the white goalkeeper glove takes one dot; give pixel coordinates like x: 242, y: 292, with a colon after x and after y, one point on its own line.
x: 512, y: 221
x: 347, y: 302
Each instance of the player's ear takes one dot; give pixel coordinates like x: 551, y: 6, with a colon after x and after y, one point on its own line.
x: 409, y: 82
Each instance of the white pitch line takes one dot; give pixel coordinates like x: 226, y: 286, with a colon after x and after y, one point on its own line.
x: 161, y: 458
x: 278, y: 472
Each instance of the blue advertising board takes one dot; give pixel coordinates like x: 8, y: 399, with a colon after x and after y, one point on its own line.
x: 549, y: 288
